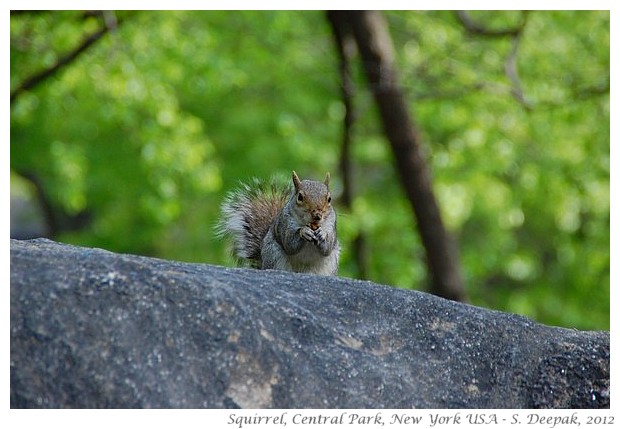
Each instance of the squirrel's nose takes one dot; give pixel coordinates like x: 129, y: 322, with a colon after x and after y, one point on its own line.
x: 316, y: 216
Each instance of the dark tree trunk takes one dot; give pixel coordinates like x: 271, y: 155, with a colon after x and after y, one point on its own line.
x: 345, y: 46
x: 375, y: 46
x: 56, y: 219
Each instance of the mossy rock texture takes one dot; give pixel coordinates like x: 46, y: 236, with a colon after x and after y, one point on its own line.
x: 95, y: 329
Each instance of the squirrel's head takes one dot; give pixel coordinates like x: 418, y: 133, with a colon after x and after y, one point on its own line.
x: 312, y: 200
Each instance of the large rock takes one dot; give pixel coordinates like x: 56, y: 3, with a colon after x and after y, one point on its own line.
x: 90, y: 328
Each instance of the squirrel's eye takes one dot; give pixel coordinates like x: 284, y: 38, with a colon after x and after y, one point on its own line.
x: 329, y: 199
x: 300, y: 197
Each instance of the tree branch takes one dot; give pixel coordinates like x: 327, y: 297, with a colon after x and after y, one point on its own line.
x: 513, y: 73
x: 475, y: 28
x: 510, y: 66
x: 27, y: 12
x: 37, y: 78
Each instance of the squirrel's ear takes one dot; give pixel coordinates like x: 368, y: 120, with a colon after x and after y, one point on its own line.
x: 296, y: 181
x: 327, y: 180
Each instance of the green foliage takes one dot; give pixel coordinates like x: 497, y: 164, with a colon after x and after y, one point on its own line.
x: 152, y: 125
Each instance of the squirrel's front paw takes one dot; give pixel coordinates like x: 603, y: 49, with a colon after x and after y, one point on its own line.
x: 319, y: 235
x: 307, y: 233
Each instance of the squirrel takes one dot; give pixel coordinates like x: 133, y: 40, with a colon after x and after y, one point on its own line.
x: 282, y: 228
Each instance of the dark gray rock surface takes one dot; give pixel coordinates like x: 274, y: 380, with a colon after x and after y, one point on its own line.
x: 91, y: 328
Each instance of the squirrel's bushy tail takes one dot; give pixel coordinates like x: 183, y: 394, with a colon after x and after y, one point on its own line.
x: 247, y: 213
